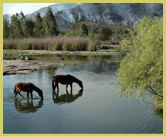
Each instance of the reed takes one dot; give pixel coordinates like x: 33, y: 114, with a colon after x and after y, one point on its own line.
x: 51, y: 43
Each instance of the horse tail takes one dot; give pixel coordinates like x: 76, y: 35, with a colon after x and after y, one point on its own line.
x: 53, y: 86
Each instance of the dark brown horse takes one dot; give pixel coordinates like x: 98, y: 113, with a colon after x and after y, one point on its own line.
x: 65, y: 80
x: 27, y: 87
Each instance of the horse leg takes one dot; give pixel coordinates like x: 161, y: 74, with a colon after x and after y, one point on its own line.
x: 15, y: 95
x: 27, y: 94
x: 57, y: 86
x: 53, y: 94
x: 31, y: 94
x: 66, y: 87
x: 15, y: 92
x: 71, y: 87
x: 57, y: 95
x: 20, y: 94
x: 53, y: 86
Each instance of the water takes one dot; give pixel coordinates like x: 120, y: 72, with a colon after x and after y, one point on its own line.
x: 97, y: 109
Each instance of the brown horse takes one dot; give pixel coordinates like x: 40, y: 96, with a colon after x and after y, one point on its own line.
x: 27, y: 87
x: 65, y: 80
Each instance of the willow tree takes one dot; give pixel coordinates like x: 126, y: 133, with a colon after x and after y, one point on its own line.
x: 141, y: 69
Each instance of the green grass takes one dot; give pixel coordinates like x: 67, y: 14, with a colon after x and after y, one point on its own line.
x: 12, y: 52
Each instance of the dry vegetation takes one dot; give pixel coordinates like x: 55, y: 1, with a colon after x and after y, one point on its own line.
x: 52, y: 43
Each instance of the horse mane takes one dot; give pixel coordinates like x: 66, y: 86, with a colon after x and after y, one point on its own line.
x: 74, y: 78
x: 36, y: 88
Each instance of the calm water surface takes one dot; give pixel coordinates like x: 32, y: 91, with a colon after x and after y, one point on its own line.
x: 97, y: 109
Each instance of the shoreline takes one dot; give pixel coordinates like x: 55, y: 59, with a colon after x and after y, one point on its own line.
x: 19, y: 66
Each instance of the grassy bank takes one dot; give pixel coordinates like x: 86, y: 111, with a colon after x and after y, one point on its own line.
x: 52, y: 43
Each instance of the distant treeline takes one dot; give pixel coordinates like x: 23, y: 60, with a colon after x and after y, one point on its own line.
x: 23, y: 27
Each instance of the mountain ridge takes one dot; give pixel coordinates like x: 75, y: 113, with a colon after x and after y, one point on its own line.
x: 67, y: 14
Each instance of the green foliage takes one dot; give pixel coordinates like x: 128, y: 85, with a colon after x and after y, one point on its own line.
x: 92, y: 33
x: 38, y: 26
x: 142, y: 68
x: 78, y: 29
x: 6, y: 29
x: 119, y: 33
x: 71, y: 33
x: 105, y: 32
x: 49, y: 24
x: 114, y: 34
x: 15, y: 27
x: 83, y: 30
x: 93, y: 46
x: 27, y: 27
x: 22, y: 17
x: 22, y: 27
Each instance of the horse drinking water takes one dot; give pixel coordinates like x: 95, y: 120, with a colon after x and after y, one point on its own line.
x: 65, y: 80
x: 27, y: 87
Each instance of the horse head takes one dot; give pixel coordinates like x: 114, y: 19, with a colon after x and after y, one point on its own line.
x: 81, y: 85
x: 40, y: 92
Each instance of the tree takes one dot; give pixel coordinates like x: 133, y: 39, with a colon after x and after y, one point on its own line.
x: 27, y: 27
x: 21, y: 17
x: 93, y: 34
x: 38, y: 25
x: 105, y: 32
x: 6, y: 29
x: 83, y: 30
x: 141, y: 69
x: 15, y: 27
x: 49, y: 24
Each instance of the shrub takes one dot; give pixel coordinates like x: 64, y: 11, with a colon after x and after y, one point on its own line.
x: 105, y: 32
x: 142, y: 68
x: 93, y: 46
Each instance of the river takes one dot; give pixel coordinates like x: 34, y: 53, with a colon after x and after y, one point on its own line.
x: 96, y: 110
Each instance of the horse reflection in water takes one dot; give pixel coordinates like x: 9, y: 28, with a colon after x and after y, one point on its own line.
x: 27, y: 106
x: 65, y: 98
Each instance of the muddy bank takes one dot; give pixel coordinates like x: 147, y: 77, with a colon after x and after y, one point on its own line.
x: 20, y: 66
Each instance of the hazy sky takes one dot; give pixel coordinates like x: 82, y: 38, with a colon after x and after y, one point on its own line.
x: 26, y: 8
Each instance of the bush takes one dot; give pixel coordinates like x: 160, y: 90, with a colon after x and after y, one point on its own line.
x: 93, y: 46
x: 105, y: 32
x: 142, y: 68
